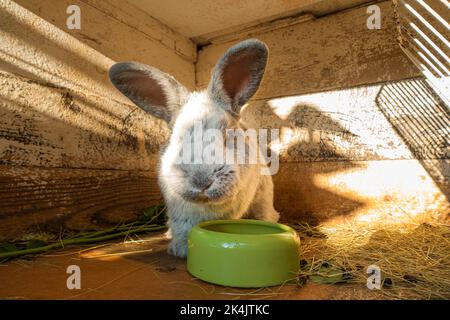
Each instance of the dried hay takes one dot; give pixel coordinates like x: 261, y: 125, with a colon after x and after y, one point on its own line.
x: 414, y: 257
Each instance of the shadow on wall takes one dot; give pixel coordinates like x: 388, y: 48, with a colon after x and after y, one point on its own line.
x: 74, y: 153
x: 37, y: 50
x: 311, y: 151
x: 422, y: 120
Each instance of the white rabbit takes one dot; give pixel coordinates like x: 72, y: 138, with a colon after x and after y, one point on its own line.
x: 199, y: 192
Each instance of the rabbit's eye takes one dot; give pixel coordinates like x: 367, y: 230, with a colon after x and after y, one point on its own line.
x: 219, y: 169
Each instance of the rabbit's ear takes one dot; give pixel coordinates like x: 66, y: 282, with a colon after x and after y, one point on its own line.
x: 237, y: 75
x: 149, y: 88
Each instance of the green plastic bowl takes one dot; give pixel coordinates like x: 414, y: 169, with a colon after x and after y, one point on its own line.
x: 243, y: 253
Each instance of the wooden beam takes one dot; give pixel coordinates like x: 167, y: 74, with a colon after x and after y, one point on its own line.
x: 44, y: 125
x: 335, y: 51
x: 333, y: 191
x: 36, y: 199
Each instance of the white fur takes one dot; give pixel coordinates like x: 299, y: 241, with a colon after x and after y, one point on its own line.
x: 195, y: 193
x: 251, y: 197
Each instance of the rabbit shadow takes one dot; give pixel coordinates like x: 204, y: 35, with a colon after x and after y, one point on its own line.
x: 312, y: 152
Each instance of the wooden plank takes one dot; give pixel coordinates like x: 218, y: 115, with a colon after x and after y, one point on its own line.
x: 38, y: 45
x: 396, y: 120
x: 198, y: 19
x: 43, y: 125
x: 308, y: 11
x: 36, y: 199
x: 317, y: 192
x: 335, y: 51
x: 255, y: 27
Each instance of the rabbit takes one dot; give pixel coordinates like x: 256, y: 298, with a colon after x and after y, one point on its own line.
x: 197, y: 192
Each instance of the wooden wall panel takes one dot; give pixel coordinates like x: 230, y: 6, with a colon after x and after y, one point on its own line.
x: 344, y: 152
x: 119, y: 32
x: 72, y: 161
x: 390, y: 121
x: 378, y: 191
x: 361, y: 134
x: 333, y: 52
x: 47, y: 126
x: 74, y: 153
x: 37, y: 199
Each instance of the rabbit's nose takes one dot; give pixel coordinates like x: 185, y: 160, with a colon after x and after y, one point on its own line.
x: 201, y: 181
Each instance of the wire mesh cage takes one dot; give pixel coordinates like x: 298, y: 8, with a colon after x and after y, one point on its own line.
x: 423, y: 35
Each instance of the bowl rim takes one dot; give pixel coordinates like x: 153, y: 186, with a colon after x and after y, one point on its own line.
x: 285, y: 230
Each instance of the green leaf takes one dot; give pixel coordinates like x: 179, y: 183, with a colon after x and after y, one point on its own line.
x: 35, y: 243
x: 8, y: 247
x: 328, y: 274
x: 150, y: 213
